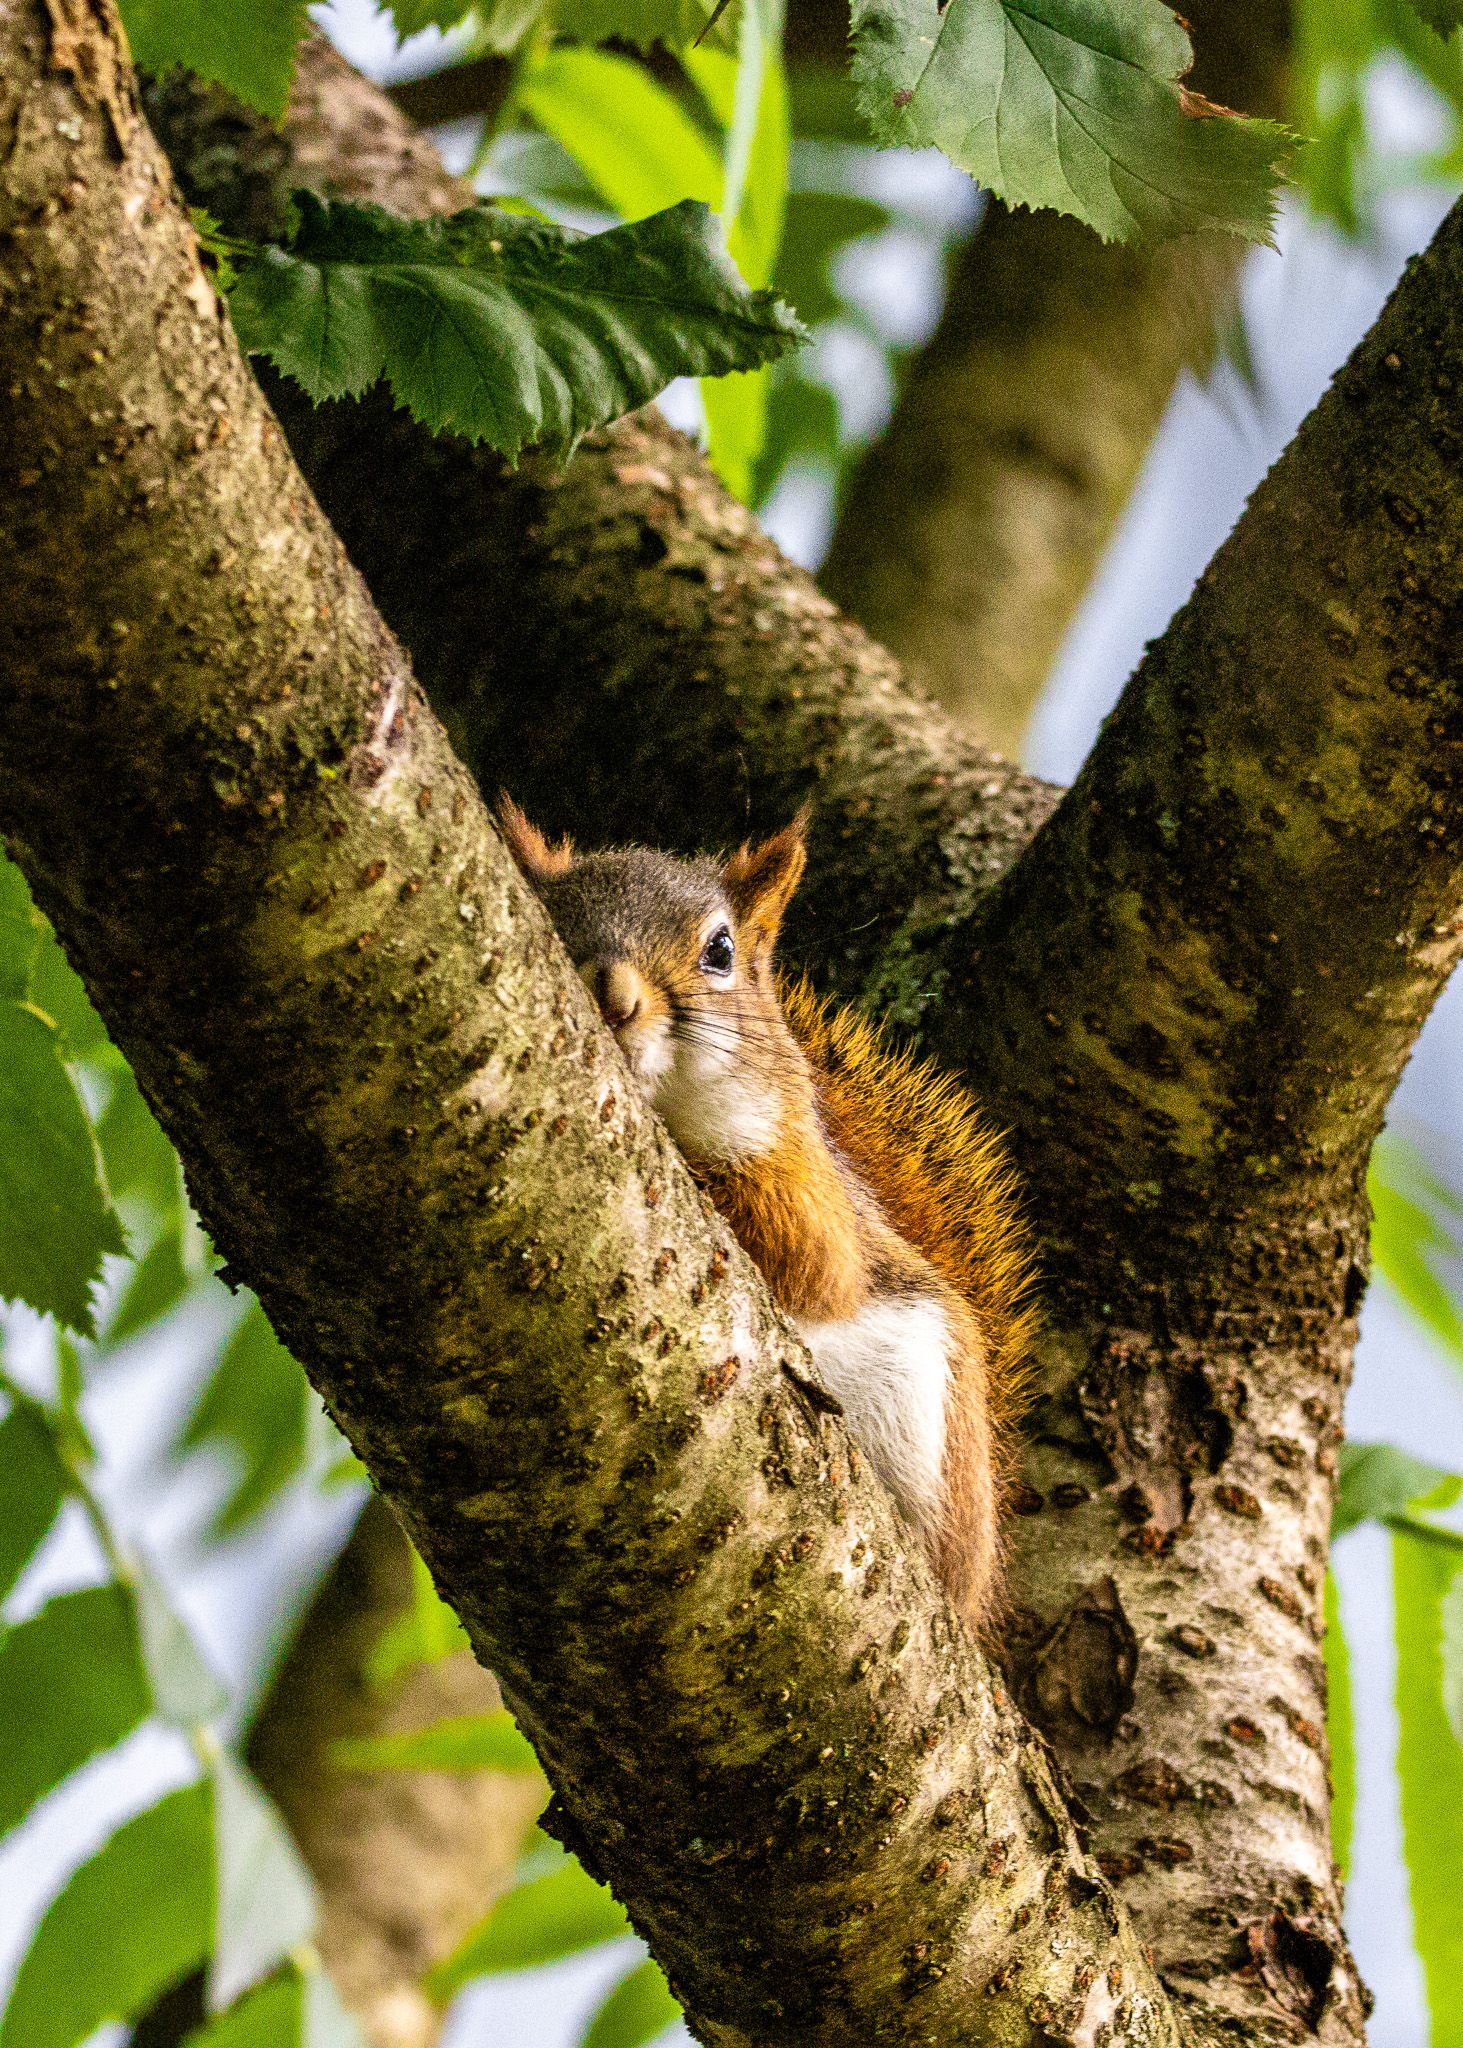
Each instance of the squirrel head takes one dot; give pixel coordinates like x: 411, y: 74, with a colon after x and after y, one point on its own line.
x: 678, y: 955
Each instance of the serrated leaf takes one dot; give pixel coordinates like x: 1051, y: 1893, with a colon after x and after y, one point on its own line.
x: 32, y: 1487
x: 1071, y: 104
x: 1379, y: 1483
x: 56, y: 1223
x: 256, y: 1406
x: 20, y: 932
x: 127, y: 1924
x: 503, y: 328
x: 1430, y: 1767
x: 412, y: 16
x: 185, y: 1690
x: 678, y: 24
x: 466, y: 1742
x: 1444, y: 17
x: 266, y: 1900
x: 639, y: 2007
x: 554, y: 1915
x: 71, y: 1685
x: 248, y: 46
x: 154, y: 1287
x: 1340, y: 1731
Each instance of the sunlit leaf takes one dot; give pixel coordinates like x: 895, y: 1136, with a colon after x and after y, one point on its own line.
x: 56, y: 1223
x: 128, y: 1923
x: 1067, y: 104
x: 427, y: 1631
x: 637, y: 145
x: 71, y: 1685
x: 246, y: 45
x: 1340, y: 1731
x: 1430, y: 1767
x: 640, y: 2007
x: 20, y: 933
x: 556, y: 1914
x: 31, y: 1489
x: 468, y: 1742
x: 266, y: 1900
x: 499, y: 327
x: 1417, y: 1234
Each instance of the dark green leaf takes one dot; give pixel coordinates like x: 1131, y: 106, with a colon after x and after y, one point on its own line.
x: 641, y: 2006
x: 412, y: 16
x: 246, y: 45
x: 469, y: 1742
x: 56, y: 1223
x: 32, y: 1486
x: 71, y: 1684
x: 1379, y: 1483
x: 1430, y: 1766
x: 266, y: 1901
x: 1445, y: 17
x: 155, y: 1286
x: 676, y: 23
x: 503, y: 328
x: 1340, y: 1731
x: 554, y: 1915
x: 819, y: 226
x: 20, y: 933
x: 802, y: 421
x: 128, y: 1924
x: 184, y: 1689
x: 256, y: 1407
x: 1068, y: 104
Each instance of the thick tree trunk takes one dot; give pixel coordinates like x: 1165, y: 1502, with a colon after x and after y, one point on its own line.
x: 403, y: 1122
x: 971, y: 529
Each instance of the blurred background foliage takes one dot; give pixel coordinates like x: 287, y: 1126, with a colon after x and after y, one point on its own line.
x: 143, y: 1397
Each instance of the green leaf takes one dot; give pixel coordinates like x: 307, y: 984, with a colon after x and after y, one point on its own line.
x: 20, y: 933
x: 503, y: 328
x: 71, y: 1685
x: 266, y: 1900
x: 425, y: 1633
x: 185, y: 1690
x: 467, y: 1742
x: 676, y: 23
x: 127, y: 1924
x: 1071, y: 104
x: 138, y: 1156
x: 641, y: 2006
x: 1452, y: 1617
x: 1444, y: 17
x: 1340, y: 1731
x: 56, y: 1223
x: 412, y: 16
x: 154, y: 1288
x: 1416, y: 1231
x: 635, y: 142
x: 256, y: 1407
x: 1430, y: 1767
x: 247, y: 46
x: 32, y: 1486
x: 295, y: 2008
x: 818, y: 227
x: 1379, y: 1483
x: 554, y: 1915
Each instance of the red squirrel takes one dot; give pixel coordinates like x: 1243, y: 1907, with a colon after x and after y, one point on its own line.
x: 863, y: 1185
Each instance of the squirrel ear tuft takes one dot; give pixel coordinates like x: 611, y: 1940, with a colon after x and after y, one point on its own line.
x: 760, y: 879
x: 537, y: 860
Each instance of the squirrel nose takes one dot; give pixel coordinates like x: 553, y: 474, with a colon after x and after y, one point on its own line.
x: 618, y: 990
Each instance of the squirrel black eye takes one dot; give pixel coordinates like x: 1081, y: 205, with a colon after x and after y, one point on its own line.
x: 718, y: 953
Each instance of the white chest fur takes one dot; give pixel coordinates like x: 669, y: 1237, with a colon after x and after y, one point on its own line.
x: 890, y: 1367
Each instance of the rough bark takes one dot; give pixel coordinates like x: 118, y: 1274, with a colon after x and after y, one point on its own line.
x: 971, y: 528
x: 403, y: 1122
x: 407, y: 1862
x: 1194, y: 1374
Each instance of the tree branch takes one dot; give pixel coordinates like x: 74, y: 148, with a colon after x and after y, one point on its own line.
x: 972, y: 527
x: 402, y: 1119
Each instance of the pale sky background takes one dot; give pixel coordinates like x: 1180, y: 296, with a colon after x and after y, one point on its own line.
x: 1305, y: 307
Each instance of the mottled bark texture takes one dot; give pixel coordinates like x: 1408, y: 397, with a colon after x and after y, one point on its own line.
x: 407, y: 1862
x: 971, y: 529
x: 403, y: 1123
x: 1165, y: 1570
